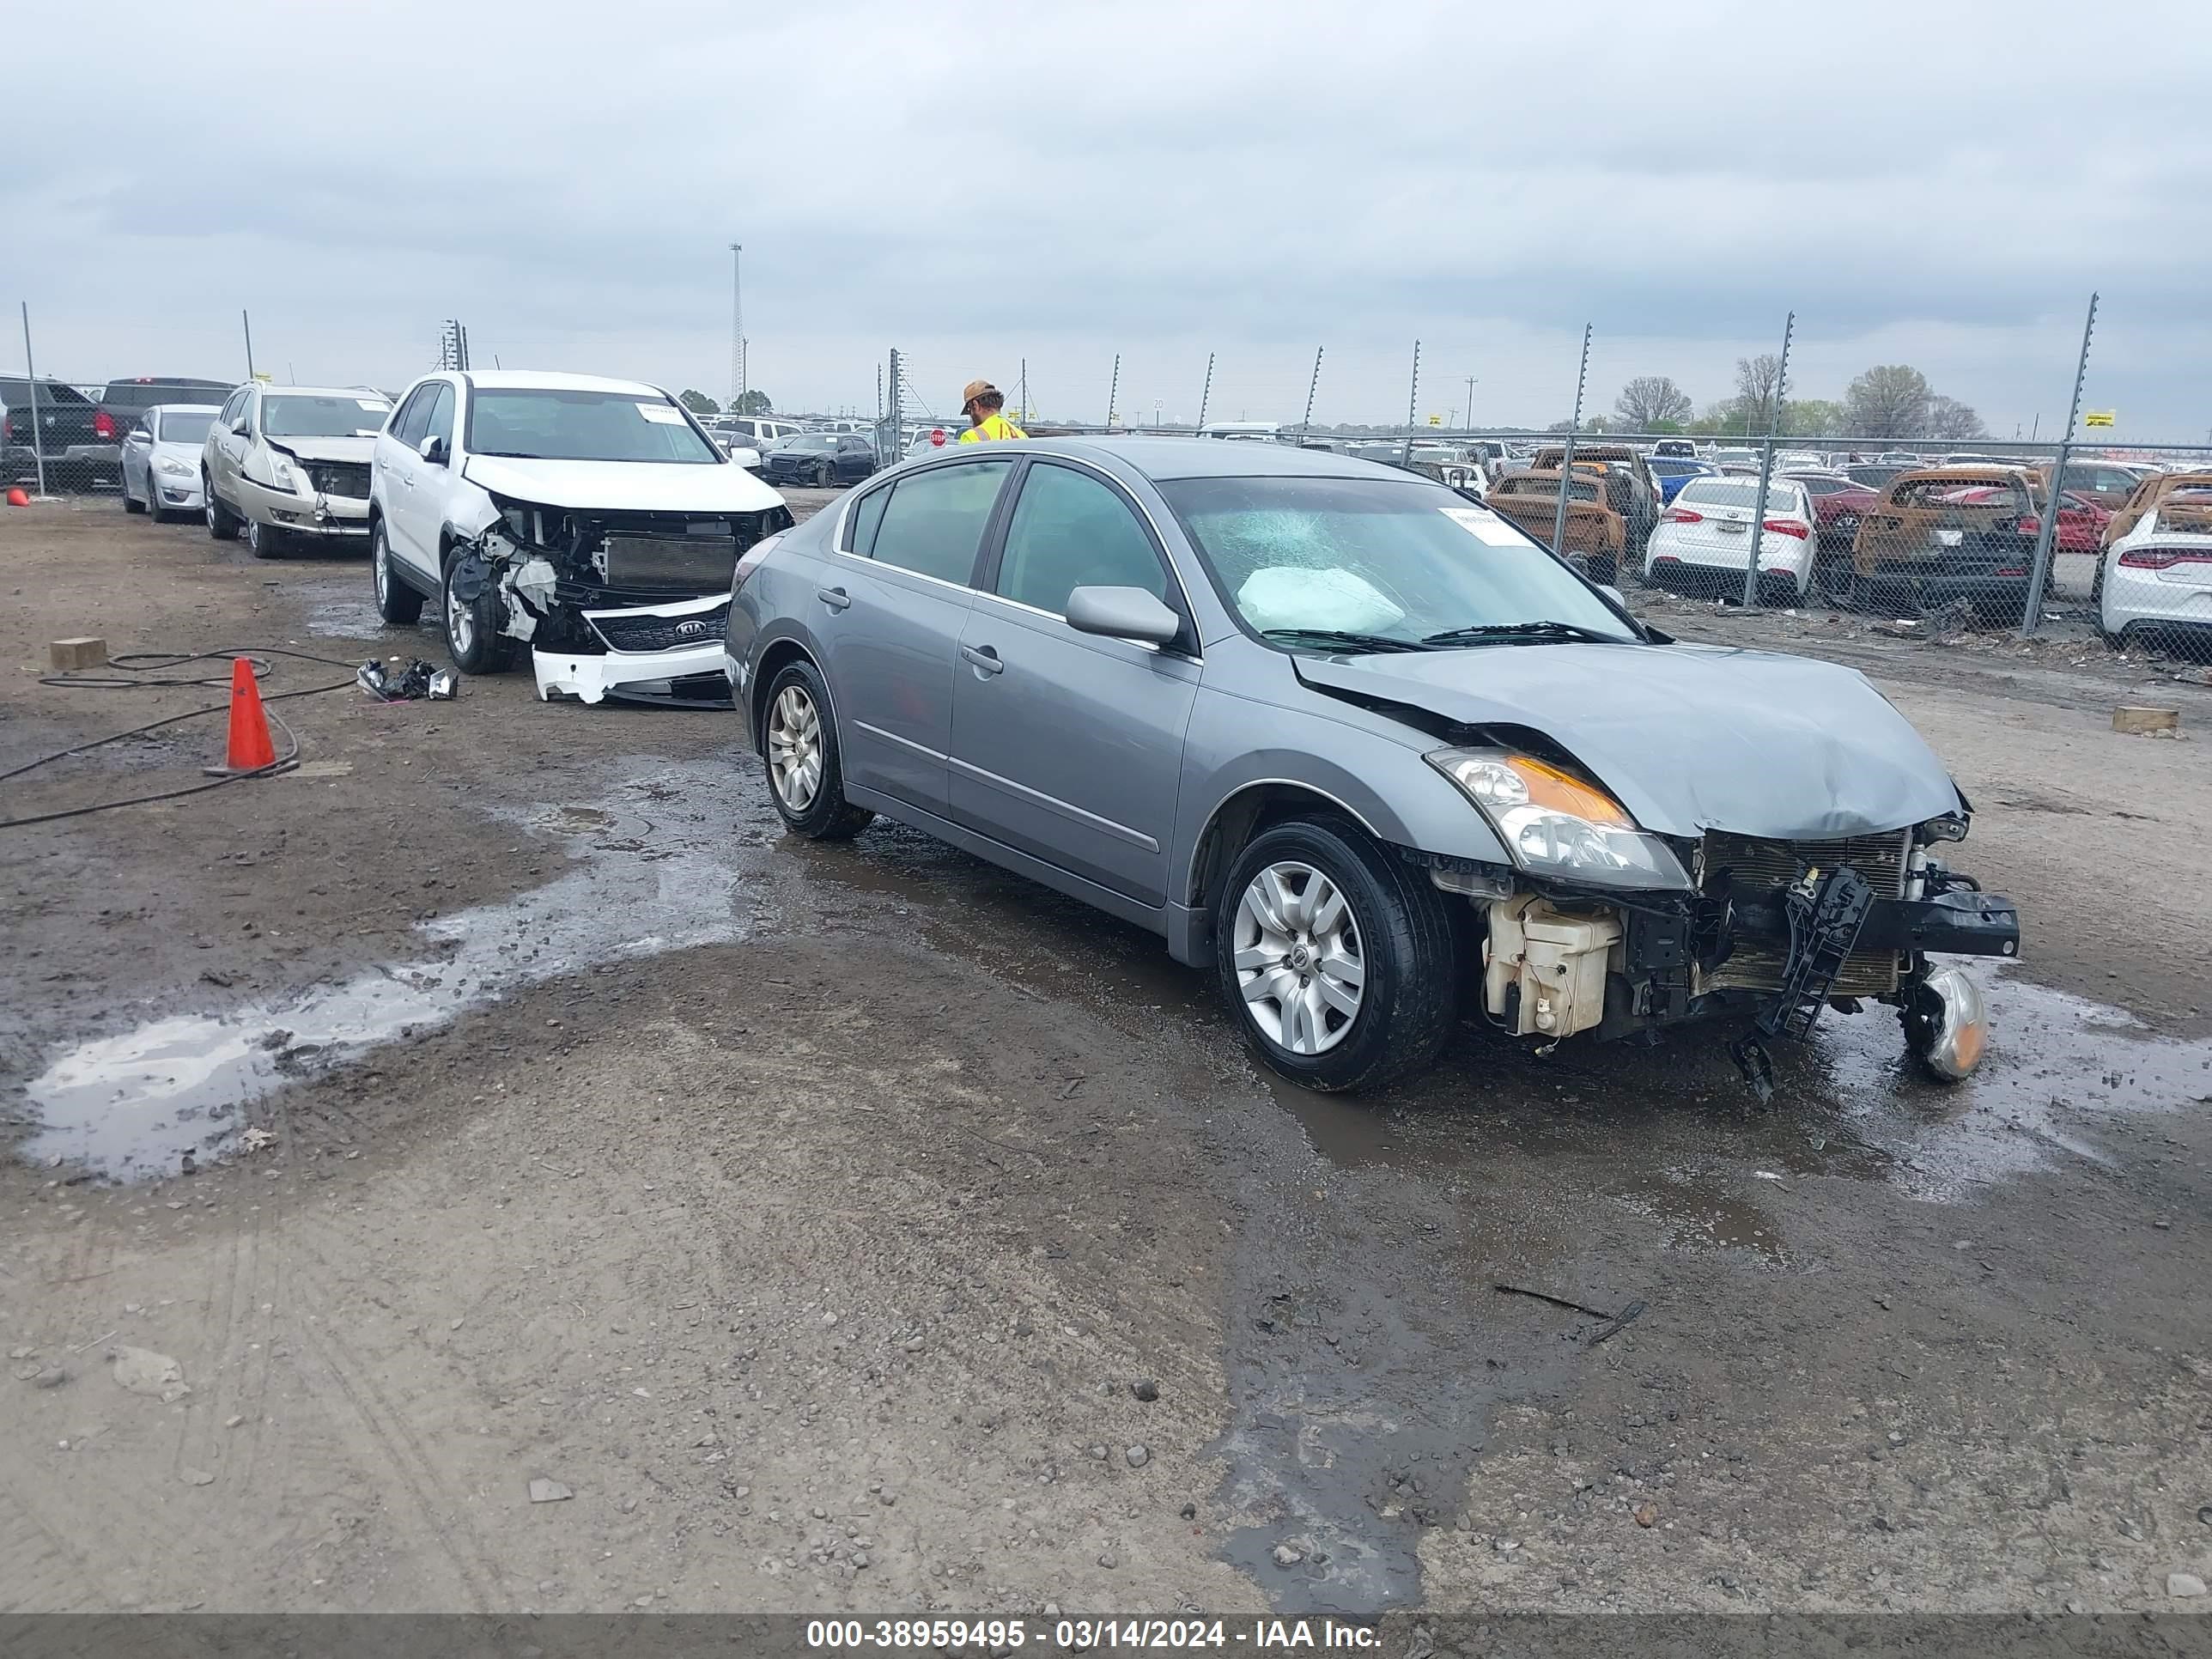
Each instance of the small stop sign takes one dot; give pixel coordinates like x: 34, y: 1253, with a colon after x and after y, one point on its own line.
x: 937, y: 437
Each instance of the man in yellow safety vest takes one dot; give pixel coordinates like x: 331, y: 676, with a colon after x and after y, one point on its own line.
x: 981, y: 403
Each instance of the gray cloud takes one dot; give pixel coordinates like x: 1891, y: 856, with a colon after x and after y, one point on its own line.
x: 1935, y: 184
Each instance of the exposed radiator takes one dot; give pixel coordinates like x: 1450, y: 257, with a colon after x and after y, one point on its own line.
x: 1882, y: 861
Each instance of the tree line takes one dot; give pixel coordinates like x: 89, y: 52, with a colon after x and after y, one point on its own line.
x: 1890, y: 400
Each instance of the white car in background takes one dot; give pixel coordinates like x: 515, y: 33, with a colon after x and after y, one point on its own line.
x: 2158, y: 577
x: 1704, y: 540
x: 291, y: 462
x: 592, y: 520
x: 160, y: 459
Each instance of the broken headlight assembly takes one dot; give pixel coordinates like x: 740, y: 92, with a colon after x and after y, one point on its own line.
x: 1555, y: 824
x: 283, y: 475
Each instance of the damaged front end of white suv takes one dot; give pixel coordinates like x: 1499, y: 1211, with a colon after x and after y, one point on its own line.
x: 627, y: 605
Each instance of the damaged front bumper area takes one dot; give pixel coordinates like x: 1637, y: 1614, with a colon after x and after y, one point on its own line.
x: 632, y: 605
x: 1780, y: 929
x: 670, y: 653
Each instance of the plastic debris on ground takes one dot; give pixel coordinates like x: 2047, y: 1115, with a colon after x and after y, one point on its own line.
x: 393, y: 681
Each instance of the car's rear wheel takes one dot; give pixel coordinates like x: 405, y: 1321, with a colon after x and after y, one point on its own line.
x: 472, y: 635
x: 396, y: 602
x: 1339, y: 960
x: 266, y: 540
x: 805, y: 771
x: 222, y: 522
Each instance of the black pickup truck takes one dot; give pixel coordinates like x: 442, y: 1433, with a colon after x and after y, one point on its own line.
x: 66, y: 435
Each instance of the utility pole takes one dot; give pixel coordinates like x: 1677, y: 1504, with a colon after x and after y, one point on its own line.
x: 1305, y: 427
x: 886, y: 455
x: 31, y: 376
x: 2039, y: 572
x: 1022, y: 393
x: 1567, y: 460
x: 1112, y: 391
x: 248, y: 323
x: 1207, y: 396
x: 1470, y: 401
x: 737, y: 326
x: 1413, y: 402
x: 1766, y: 466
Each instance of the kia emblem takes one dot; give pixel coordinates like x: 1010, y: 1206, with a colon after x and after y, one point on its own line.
x: 691, y: 628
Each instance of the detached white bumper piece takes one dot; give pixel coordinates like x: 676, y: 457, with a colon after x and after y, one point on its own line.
x: 658, y: 653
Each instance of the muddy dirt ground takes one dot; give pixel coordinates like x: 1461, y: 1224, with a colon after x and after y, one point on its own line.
x: 599, y: 1200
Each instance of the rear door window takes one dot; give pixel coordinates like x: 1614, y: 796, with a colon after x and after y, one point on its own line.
x: 933, y: 522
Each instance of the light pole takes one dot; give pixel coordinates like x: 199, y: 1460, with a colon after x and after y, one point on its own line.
x: 737, y: 326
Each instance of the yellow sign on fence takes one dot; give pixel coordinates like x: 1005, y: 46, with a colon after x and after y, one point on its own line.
x: 1436, y: 419
x: 2100, y: 417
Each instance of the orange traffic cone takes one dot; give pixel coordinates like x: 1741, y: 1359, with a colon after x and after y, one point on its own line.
x: 249, y: 748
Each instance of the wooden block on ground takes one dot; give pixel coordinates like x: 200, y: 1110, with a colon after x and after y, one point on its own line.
x: 88, y: 652
x: 2141, y: 718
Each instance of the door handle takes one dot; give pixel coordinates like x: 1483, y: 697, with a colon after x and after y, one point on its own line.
x: 836, y: 598
x: 983, y: 658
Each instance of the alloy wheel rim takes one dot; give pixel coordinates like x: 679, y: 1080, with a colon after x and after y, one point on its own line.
x: 378, y: 575
x: 794, y: 748
x: 461, y: 626
x: 1300, y: 967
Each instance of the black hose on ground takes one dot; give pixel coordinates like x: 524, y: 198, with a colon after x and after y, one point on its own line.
x: 154, y: 669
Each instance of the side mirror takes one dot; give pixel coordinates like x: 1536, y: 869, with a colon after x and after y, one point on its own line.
x: 238, y: 426
x: 433, y: 450
x: 1122, y: 613
x: 1613, y: 593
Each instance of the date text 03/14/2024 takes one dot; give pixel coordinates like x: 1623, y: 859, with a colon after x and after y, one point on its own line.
x: 1091, y: 1635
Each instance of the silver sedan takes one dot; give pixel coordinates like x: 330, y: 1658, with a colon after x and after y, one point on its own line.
x: 1360, y: 747
x: 162, y: 459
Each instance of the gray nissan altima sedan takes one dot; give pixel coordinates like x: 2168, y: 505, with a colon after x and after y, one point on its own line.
x: 1361, y: 746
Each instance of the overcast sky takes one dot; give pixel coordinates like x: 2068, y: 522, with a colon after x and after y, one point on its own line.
x: 1942, y: 185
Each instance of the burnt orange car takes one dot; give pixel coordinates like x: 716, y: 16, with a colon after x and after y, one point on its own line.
x: 2147, y: 496
x: 1938, y: 533
x: 1595, y: 530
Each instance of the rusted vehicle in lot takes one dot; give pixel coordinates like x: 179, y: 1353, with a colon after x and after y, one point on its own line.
x: 2147, y: 495
x: 1631, y: 488
x: 1941, y: 534
x: 1595, y: 530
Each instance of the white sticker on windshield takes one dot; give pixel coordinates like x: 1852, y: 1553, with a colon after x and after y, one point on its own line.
x: 661, y: 414
x: 373, y: 406
x: 1485, y: 527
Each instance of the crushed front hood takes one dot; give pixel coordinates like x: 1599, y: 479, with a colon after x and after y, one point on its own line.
x: 326, y: 449
x: 623, y: 486
x: 1690, y: 738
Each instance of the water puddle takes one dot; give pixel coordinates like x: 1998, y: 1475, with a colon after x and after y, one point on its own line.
x: 651, y: 874
x: 1849, y: 1104
x: 344, y: 608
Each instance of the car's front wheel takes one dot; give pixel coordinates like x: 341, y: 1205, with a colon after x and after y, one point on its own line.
x: 805, y: 772
x: 821, y: 476
x: 131, y: 503
x: 265, y: 541
x: 1339, y: 960
x: 472, y: 635
x: 396, y: 602
x: 222, y: 522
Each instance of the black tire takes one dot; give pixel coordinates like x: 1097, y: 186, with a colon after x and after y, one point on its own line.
x: 265, y: 541
x: 472, y: 637
x: 822, y: 478
x: 824, y: 814
x: 1408, y: 955
x: 131, y: 505
x: 222, y: 522
x: 396, y: 602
